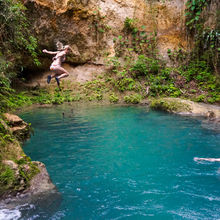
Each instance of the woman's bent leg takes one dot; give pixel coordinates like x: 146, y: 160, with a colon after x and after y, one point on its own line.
x: 63, y: 73
x: 59, y: 73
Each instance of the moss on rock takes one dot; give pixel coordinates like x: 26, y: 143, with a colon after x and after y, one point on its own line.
x: 170, y: 105
x: 16, y: 169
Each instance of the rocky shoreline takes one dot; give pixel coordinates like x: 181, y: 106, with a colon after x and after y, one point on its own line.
x: 186, y: 107
x: 209, y: 113
x: 29, y: 177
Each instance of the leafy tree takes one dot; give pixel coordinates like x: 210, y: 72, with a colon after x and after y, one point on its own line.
x: 15, y: 42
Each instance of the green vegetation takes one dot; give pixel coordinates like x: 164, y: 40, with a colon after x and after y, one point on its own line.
x: 129, y: 25
x: 27, y: 169
x: 137, y: 72
x: 205, y: 56
x: 191, y: 76
x: 169, y: 105
x: 191, y: 80
x: 135, y: 40
x: 16, y: 169
x: 113, y: 98
x: 146, y: 65
x: 5, y: 136
x: 7, y: 178
x: 137, y: 69
x: 16, y: 42
x: 194, y: 10
x: 16, y: 178
x: 15, y: 34
x: 207, y: 39
x: 133, y: 99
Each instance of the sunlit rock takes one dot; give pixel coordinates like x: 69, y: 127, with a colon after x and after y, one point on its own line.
x: 89, y: 26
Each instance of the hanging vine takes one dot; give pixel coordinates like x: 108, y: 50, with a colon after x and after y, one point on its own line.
x: 206, y: 39
x: 193, y: 13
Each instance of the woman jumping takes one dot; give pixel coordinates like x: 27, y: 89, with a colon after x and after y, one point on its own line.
x: 59, y: 72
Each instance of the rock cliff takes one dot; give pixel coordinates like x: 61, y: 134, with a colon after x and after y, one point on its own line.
x: 90, y: 26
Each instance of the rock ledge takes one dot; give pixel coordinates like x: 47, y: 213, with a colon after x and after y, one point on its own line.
x: 187, y: 107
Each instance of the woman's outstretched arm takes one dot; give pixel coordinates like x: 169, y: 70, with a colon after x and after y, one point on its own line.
x: 50, y: 52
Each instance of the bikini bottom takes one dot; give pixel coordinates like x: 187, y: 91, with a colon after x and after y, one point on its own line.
x: 53, y: 67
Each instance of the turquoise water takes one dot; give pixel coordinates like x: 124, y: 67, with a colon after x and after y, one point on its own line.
x: 121, y: 162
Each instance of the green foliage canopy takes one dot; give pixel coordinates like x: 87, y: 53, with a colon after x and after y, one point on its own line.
x: 14, y: 29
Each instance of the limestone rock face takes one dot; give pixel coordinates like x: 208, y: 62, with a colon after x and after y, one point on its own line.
x: 80, y: 73
x: 11, y: 164
x: 28, y: 178
x: 40, y: 182
x: 211, y: 15
x: 89, y: 26
x: 187, y: 107
x: 13, y: 120
x: 19, y: 128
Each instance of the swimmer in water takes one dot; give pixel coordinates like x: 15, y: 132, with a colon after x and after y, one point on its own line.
x: 59, y: 72
x: 207, y: 159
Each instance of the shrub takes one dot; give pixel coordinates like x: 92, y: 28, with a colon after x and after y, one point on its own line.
x: 134, y: 98
x: 14, y: 29
x: 123, y: 84
x: 7, y: 178
x: 16, y: 37
x: 145, y: 65
x: 129, y: 24
x: 113, y: 98
x: 200, y: 98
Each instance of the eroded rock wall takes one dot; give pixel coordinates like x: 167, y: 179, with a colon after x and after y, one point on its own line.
x: 212, y: 15
x: 90, y: 26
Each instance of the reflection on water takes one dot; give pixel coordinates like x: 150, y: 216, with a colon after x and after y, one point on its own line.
x: 211, y: 125
x: 112, y: 162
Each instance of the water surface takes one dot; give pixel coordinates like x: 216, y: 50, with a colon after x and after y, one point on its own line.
x: 115, y: 162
